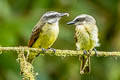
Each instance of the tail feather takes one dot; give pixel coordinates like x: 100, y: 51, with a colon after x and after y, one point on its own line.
x: 85, y: 64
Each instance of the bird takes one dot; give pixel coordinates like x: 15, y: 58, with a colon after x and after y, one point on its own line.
x: 86, y: 39
x: 45, y: 32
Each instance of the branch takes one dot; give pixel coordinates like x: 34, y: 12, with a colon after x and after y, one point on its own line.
x: 27, y: 70
x: 58, y: 52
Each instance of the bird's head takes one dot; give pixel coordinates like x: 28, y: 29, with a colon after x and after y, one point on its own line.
x: 82, y: 19
x: 52, y: 16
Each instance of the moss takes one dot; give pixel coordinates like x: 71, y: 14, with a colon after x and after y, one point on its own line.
x: 27, y: 70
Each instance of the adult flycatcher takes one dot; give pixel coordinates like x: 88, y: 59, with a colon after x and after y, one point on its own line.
x: 86, y: 38
x: 45, y: 32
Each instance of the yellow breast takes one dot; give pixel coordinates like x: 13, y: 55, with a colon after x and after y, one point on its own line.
x: 87, y: 36
x: 48, y: 36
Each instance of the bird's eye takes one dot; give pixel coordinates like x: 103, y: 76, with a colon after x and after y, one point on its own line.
x: 77, y: 20
x: 55, y: 15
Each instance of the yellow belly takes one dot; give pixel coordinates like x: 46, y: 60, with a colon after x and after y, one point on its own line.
x: 47, y: 37
x: 84, y: 39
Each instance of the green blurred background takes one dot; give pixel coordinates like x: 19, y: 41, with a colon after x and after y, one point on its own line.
x: 18, y: 17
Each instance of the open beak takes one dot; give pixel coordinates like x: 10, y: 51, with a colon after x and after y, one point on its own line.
x: 64, y: 14
x: 71, y: 22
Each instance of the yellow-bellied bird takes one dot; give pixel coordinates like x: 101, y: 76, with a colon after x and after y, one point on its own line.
x: 45, y: 32
x: 86, y: 38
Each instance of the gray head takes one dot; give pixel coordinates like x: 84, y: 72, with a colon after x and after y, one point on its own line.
x: 83, y: 19
x: 52, y: 16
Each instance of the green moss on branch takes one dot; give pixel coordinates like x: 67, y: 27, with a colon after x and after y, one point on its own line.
x: 27, y: 68
x: 58, y: 52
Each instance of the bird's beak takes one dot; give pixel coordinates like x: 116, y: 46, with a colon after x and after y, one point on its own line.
x: 71, y: 22
x: 64, y: 14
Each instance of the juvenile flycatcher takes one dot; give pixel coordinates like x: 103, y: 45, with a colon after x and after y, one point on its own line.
x: 86, y: 38
x: 45, y: 32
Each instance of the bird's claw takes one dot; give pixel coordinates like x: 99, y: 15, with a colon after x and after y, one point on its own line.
x: 85, y: 52
x: 43, y: 50
x: 54, y: 50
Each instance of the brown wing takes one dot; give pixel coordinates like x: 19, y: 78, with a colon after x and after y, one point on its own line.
x: 35, y: 34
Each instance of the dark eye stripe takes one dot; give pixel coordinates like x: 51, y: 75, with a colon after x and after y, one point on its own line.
x: 52, y: 16
x: 80, y: 19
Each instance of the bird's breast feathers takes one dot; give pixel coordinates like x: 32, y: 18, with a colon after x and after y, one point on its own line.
x: 47, y: 36
x: 86, y: 36
x: 51, y: 28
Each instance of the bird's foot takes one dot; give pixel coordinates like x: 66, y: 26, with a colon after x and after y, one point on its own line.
x: 43, y: 51
x: 54, y: 50
x: 85, y: 52
x: 96, y: 54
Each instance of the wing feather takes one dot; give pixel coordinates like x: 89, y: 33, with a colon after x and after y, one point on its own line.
x: 35, y: 34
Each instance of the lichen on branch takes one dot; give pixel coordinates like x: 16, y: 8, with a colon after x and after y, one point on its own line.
x: 58, y: 52
x: 27, y: 69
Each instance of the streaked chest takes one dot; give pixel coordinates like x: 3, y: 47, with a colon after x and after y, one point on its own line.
x: 85, y: 36
x: 81, y: 33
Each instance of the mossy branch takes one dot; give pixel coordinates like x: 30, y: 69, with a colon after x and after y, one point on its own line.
x: 25, y: 67
x: 58, y: 52
x: 27, y: 70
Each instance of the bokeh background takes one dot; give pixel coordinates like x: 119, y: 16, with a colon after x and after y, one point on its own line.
x: 18, y: 17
